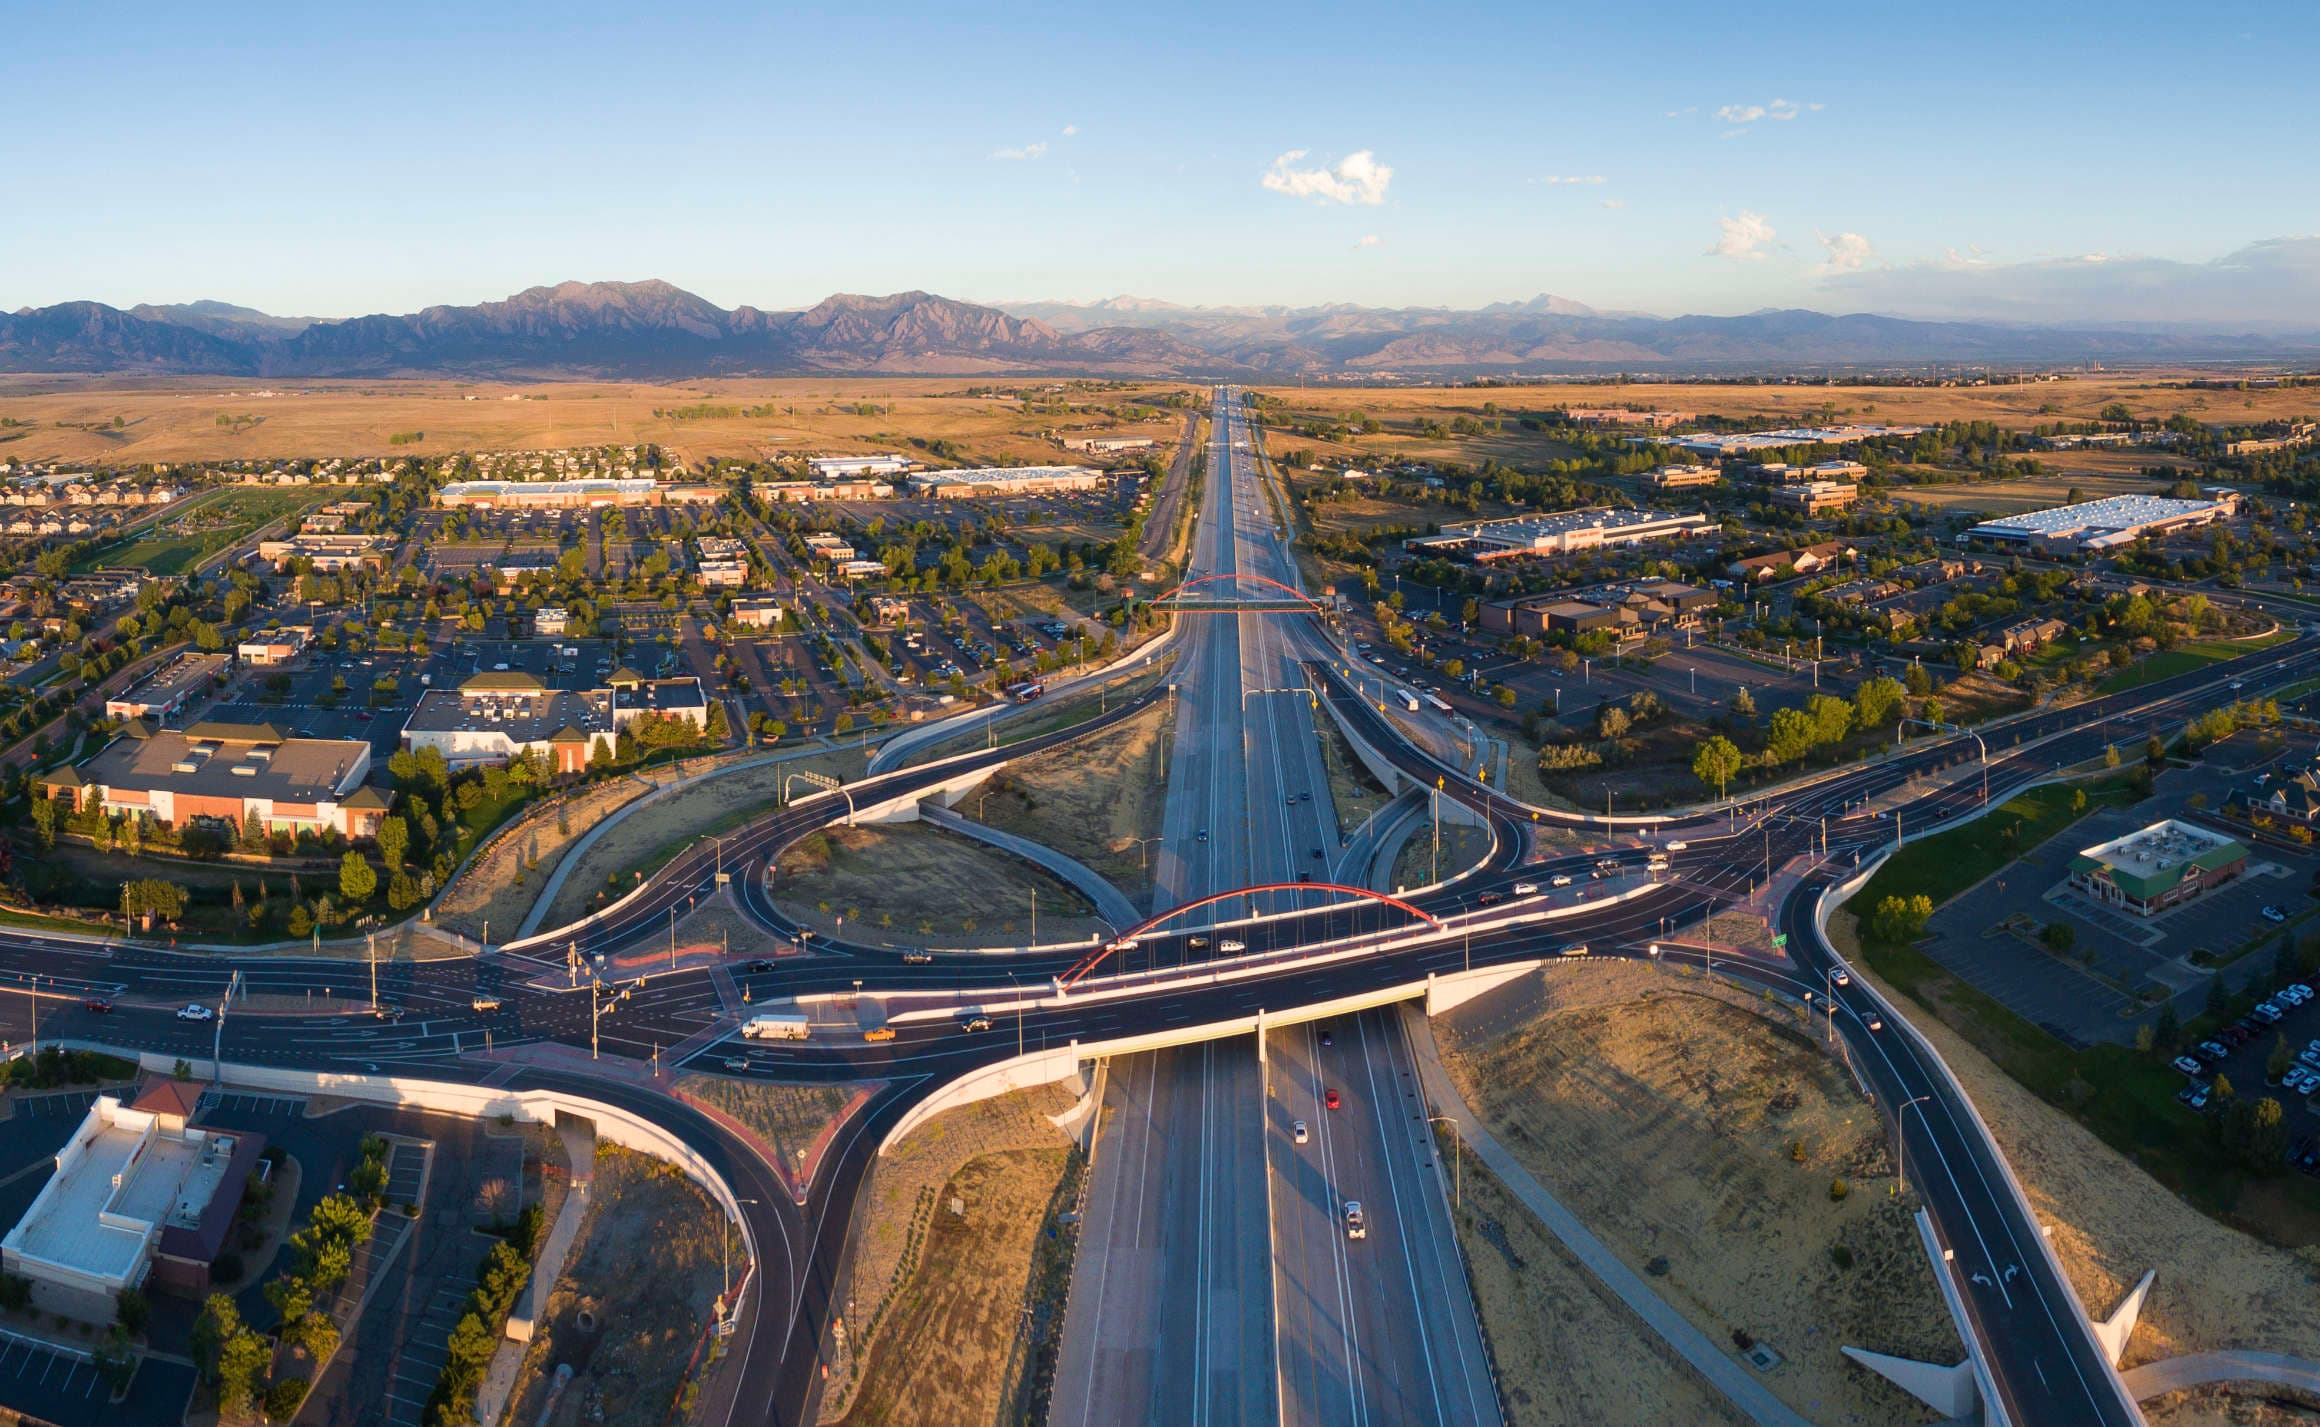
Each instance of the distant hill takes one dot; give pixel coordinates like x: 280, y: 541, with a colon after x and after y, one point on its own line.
x: 655, y: 330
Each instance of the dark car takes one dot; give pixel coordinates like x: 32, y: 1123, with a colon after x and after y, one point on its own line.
x: 1490, y: 899
x: 917, y: 958
x: 760, y: 965
x: 1327, y: 1037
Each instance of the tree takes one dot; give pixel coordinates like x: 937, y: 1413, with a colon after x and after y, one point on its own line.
x: 2166, y: 1032
x: 242, y: 1365
x: 215, y: 1326
x: 1714, y: 762
x: 2110, y: 755
x: 2058, y: 937
x: 1901, y: 919
x: 1876, y: 699
x: 356, y: 879
x: 1743, y: 702
x: 2281, y: 1060
x: 394, y: 838
x: 43, y: 820
x: 1611, y: 721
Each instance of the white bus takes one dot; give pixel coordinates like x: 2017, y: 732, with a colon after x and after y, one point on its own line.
x: 778, y: 1026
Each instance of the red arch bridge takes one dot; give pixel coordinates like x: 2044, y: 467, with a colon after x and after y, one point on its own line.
x: 1199, y: 596
x: 1126, y: 940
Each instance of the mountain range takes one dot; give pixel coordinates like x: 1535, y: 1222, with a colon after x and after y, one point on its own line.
x: 655, y: 330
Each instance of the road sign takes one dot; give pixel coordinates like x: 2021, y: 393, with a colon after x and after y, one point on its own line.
x: 1780, y: 938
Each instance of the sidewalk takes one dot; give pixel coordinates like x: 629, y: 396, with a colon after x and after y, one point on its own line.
x: 499, y: 1380
x: 1678, y: 1332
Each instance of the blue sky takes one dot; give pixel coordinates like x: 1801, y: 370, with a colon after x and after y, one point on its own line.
x: 2090, y: 160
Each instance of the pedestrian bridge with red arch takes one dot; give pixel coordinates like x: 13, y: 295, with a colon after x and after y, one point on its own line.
x: 1101, y: 954
x: 1235, y: 594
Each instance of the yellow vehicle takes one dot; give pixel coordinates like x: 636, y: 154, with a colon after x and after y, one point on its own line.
x: 879, y: 1033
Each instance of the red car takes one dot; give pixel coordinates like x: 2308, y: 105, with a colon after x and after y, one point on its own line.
x: 97, y: 1004
x: 1329, y: 1098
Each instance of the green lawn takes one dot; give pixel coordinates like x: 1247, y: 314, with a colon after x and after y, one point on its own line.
x: 2126, y: 1097
x: 2185, y: 657
x: 1947, y: 864
x: 178, y: 544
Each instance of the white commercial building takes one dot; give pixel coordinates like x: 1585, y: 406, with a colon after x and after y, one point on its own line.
x: 977, y: 481
x: 831, y: 467
x: 2102, y: 524
x: 1562, y: 532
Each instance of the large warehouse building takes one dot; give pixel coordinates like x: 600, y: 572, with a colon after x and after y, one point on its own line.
x: 1560, y: 533
x: 2101, y: 524
x: 978, y: 481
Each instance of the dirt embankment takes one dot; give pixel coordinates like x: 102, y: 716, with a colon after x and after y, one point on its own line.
x: 913, y: 884
x: 646, y: 1270
x: 936, y: 1297
x: 1700, y: 1133
x: 1091, y: 800
x: 501, y: 884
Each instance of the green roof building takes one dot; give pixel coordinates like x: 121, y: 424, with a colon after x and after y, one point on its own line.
x: 2161, y: 866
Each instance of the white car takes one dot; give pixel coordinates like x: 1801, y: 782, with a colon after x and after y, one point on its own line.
x: 1525, y: 889
x: 1560, y: 879
x: 1677, y: 846
x: 1356, y: 1227
x: 192, y: 1012
x: 1229, y: 945
x: 1298, y: 1132
x: 1842, y: 979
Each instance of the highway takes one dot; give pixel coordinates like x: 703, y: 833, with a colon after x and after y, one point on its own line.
x: 2043, y: 1360
x: 1171, y: 1299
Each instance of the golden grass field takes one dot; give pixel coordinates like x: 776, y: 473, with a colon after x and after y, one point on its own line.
x: 176, y: 419
x: 1697, y: 1130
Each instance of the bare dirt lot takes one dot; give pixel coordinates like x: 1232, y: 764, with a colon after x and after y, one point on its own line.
x: 1569, y: 1354
x: 501, y: 884
x: 915, y: 1282
x: 177, y: 420
x: 1090, y: 800
x: 654, y: 833
x: 906, y: 882
x: 1462, y: 847
x: 2217, y: 1287
x: 1701, y: 1138
x: 646, y: 1266
x: 788, y: 1117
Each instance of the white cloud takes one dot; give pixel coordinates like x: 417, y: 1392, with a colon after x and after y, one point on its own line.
x: 1356, y: 178
x: 1846, y: 252
x: 1570, y: 178
x: 1780, y: 110
x: 1070, y: 129
x: 1743, y: 236
x: 1680, y: 113
x: 1615, y: 203
x: 1028, y: 151
x: 1369, y: 240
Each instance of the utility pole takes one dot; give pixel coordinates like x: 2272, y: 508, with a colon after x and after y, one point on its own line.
x: 373, y: 957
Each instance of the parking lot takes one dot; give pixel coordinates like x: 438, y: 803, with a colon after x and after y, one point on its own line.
x: 419, y: 1359
x: 2120, y: 962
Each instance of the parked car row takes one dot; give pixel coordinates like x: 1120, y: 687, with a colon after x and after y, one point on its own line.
x: 2202, y: 1060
